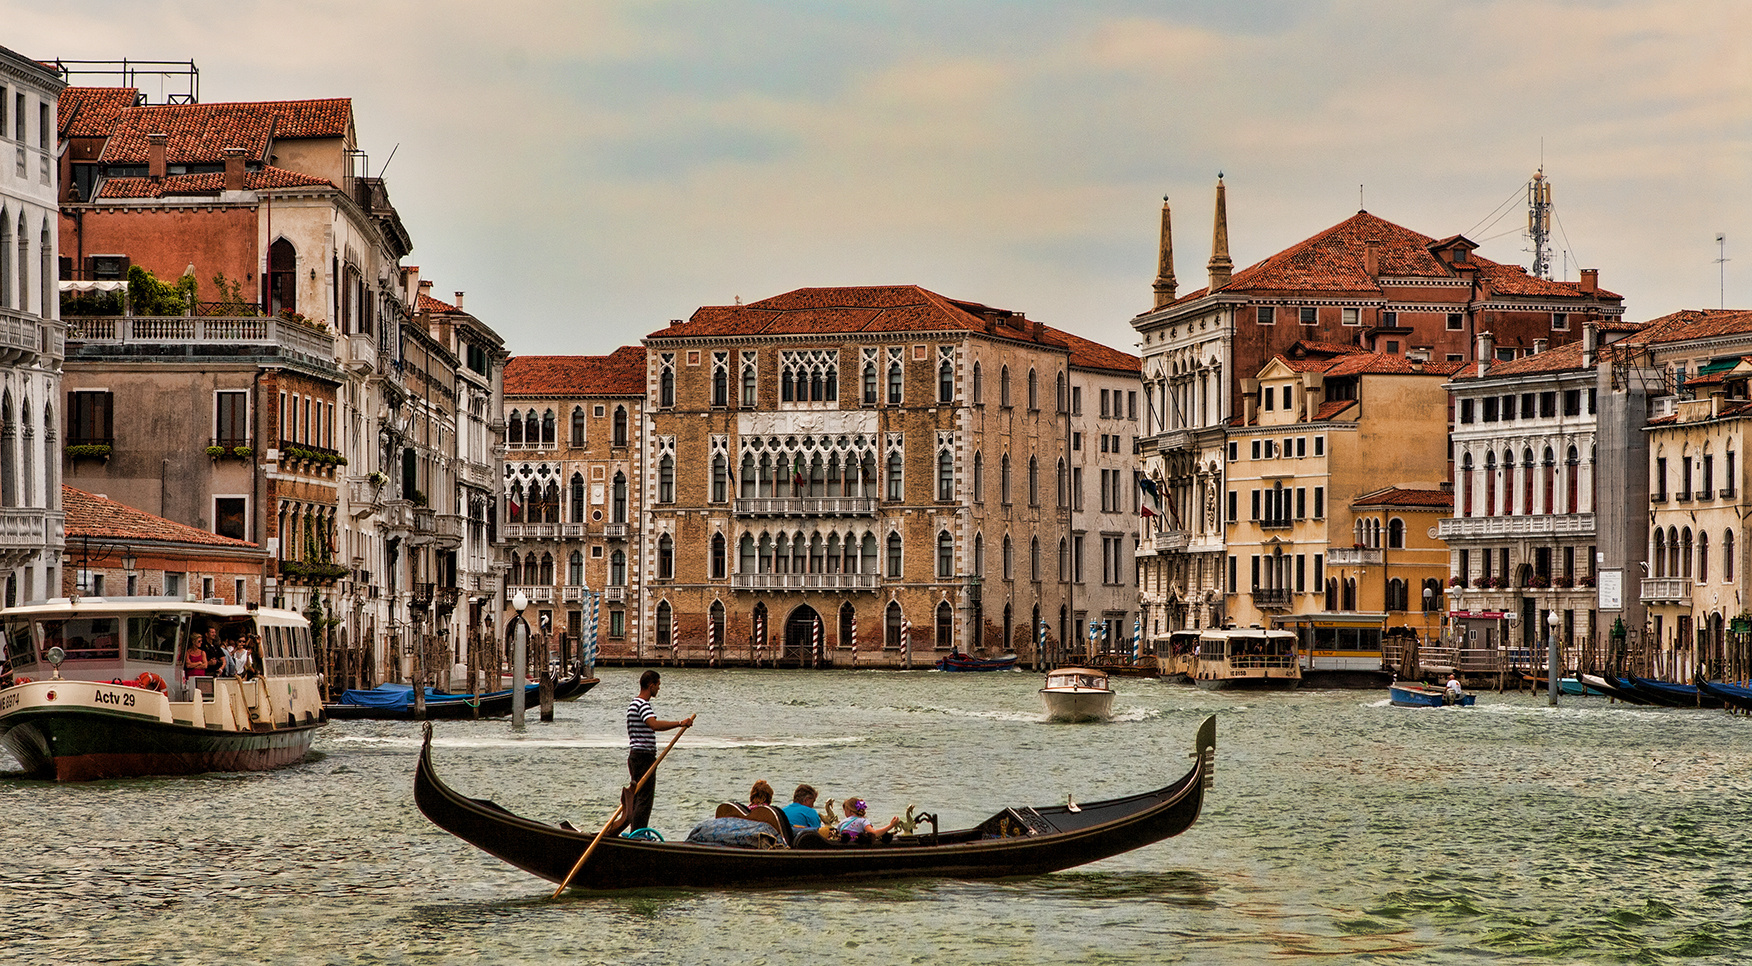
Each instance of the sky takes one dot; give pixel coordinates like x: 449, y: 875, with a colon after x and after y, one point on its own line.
x: 587, y: 171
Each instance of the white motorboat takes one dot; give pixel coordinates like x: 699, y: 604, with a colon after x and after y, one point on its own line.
x: 1077, y: 694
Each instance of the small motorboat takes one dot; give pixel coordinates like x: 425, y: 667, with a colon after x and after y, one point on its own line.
x: 1407, y: 695
x: 1077, y: 694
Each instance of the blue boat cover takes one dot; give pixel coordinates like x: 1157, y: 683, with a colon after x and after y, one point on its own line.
x: 743, y: 833
x: 400, y: 696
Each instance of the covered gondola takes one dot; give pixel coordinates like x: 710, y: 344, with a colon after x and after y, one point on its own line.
x: 396, y: 702
x: 1015, y: 841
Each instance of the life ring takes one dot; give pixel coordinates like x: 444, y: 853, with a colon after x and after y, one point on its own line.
x: 149, y: 681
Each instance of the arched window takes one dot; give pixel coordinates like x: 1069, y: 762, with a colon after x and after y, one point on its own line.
x: 848, y: 619
x: 577, y: 498
x: 1064, y: 560
x: 666, y: 388
x: 978, y: 388
x: 979, y: 554
x: 618, y: 501
x: 1490, y: 484
x: 282, y: 277
x: 1702, y: 556
x: 1059, y: 394
x: 531, y: 428
x: 1009, y: 559
x: 1033, y: 390
x: 945, y: 626
x: 978, y: 477
x: 514, y: 428
x: 1685, y: 553
x: 719, y: 557
x: 891, y: 625
x: 577, y: 435
x: 894, y: 555
x: 894, y: 383
x: 1728, y: 556
x: 1033, y: 481
x: 546, y: 578
x: 666, y: 557
x: 1548, y: 482
x: 1004, y: 386
x: 945, y: 476
x: 1396, y: 535
x: 945, y: 382
x: 869, y: 383
x: 549, y: 431
x: 1396, y: 596
x: 665, y: 626
x: 1033, y: 558
x: 1063, y: 485
x: 1466, y: 485
x: 620, y: 426
x: 666, y: 479
x: 720, y: 478
x: 575, y: 568
x: 720, y: 385
x: 896, y: 491
x: 1004, y: 480
x: 945, y: 554
x: 617, y: 569
x: 514, y: 503
x: 1572, y: 470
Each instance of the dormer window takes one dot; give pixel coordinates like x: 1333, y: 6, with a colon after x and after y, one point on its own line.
x: 1459, y: 255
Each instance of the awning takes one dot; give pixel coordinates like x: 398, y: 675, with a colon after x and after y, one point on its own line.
x: 95, y: 285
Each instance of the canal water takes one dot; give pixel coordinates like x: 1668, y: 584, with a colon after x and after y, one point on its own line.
x: 1339, y: 829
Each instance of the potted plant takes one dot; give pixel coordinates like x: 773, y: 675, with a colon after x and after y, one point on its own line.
x: 1561, y: 581
x: 97, y: 451
x: 376, y: 478
x: 215, y: 451
x: 242, y: 452
x: 1538, y: 582
x: 1457, y: 581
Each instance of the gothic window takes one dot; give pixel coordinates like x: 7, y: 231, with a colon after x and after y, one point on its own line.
x: 894, y: 555
x: 548, y: 437
x: 513, y: 427
x: 945, y: 476
x: 620, y: 425
x: 575, y: 568
x: 577, y: 498
x: 945, y: 554
x: 666, y: 479
x: 577, y: 437
x: 718, y: 556
x: 617, y: 569
x: 665, y: 557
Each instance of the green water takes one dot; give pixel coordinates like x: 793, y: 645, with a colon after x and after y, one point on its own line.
x: 1339, y: 829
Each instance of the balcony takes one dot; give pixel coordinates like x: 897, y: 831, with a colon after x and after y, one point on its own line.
x: 1353, y: 557
x: 571, y: 531
x: 1168, y: 541
x: 1500, y: 527
x: 1659, y: 590
x: 397, y: 517
x: 478, y: 475
x: 803, y: 581
x: 484, y: 583
x: 614, y: 595
x: 364, y: 496
x: 26, y: 531
x: 1271, y: 598
x: 448, y: 529
x: 221, y: 334
x: 571, y: 594
x: 614, y: 531
x: 361, y: 354
x: 806, y: 506
x: 25, y: 339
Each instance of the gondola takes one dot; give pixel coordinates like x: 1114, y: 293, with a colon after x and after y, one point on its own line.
x: 1628, y: 686
x: 397, y: 704
x: 1613, y: 691
x: 1681, y: 695
x: 1013, y: 842
x: 967, y: 662
x: 1735, y: 695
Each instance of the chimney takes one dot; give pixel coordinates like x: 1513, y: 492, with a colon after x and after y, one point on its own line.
x: 1590, y: 282
x: 674, y: 322
x: 1372, y: 258
x: 1590, y: 344
x: 1220, y: 266
x: 1539, y: 345
x: 155, y: 150
x: 1037, y: 330
x: 1486, y: 349
x: 233, y: 169
x: 1165, y: 284
x: 459, y: 301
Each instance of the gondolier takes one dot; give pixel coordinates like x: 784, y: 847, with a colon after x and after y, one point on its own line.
x: 642, y: 727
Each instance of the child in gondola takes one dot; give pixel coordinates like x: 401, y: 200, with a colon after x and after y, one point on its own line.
x: 857, y: 828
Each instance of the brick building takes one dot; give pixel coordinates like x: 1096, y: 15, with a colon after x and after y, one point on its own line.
x: 117, y: 550
x: 883, y: 469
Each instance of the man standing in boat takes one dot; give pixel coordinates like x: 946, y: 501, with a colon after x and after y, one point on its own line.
x: 642, y: 727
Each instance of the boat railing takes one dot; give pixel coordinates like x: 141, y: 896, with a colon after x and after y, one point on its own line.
x: 1262, y: 661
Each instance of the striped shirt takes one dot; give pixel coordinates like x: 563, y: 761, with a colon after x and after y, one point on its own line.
x: 640, y: 737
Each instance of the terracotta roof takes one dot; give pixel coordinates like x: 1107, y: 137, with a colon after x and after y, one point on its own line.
x: 90, y: 515
x: 1563, y: 358
x: 1729, y: 408
x: 1331, y: 408
x: 1386, y: 363
x: 1406, y: 497
x: 620, y: 373
x: 884, y: 308
x: 200, y: 133
x: 1688, y: 324
x: 91, y: 112
x: 1332, y: 262
x: 208, y: 183
x: 427, y: 303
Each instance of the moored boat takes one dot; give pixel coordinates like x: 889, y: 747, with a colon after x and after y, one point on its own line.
x: 1409, y: 695
x: 1600, y: 684
x: 1676, y: 695
x: 967, y: 662
x: 1734, y: 695
x: 1014, y: 841
x: 1146, y: 666
x: 100, y: 692
x: 395, y: 702
x: 1181, y: 661
x: 1247, y: 658
x: 1077, y: 694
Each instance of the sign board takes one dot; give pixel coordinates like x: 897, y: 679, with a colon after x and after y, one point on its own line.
x: 1611, y: 590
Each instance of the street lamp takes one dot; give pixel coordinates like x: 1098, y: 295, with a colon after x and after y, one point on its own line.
x: 519, y: 658
x: 1551, y: 672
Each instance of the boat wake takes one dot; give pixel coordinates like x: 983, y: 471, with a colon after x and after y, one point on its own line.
x: 399, y: 742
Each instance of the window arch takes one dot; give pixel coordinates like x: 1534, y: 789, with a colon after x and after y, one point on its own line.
x: 1702, y: 556
x: 894, y: 382
x: 720, y: 562
x: 894, y: 555
x: 1004, y: 386
x: 945, y: 636
x: 546, y: 578
x: 1033, y: 389
x: 666, y: 479
x: 1685, y: 552
x: 666, y: 388
x: 891, y: 625
x: 282, y: 276
x: 1004, y: 481
x: 869, y: 382
x: 1033, y: 481
x: 945, y: 382
x: 549, y: 429
x: 978, y: 477
x: 577, y: 433
x: 514, y: 428
x: 577, y: 498
x: 896, y: 490
x: 665, y: 557
x: 1033, y: 558
x: 945, y: 554
x: 618, y: 502
x: 978, y: 388
x: 945, y: 476
x: 575, y: 568
x: 979, y: 554
x: 620, y: 426
x: 531, y: 428
x: 617, y: 569
x: 1728, y: 556
x: 1466, y: 484
x: 1009, y: 559
x: 1396, y: 535
x: 665, y: 625
x: 720, y: 478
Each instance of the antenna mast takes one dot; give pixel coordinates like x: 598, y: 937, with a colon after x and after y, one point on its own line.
x: 1721, y: 270
x: 1539, y: 223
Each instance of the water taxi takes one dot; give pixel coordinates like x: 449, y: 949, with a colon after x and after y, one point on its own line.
x: 1247, y: 658
x: 1077, y: 694
x: 97, y: 689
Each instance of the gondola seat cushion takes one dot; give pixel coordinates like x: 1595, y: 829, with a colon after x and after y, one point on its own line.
x: 736, y: 832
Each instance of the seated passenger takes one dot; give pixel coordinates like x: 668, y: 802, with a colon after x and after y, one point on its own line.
x: 195, y: 663
x: 801, y: 811
x: 760, y: 794
x: 857, y: 828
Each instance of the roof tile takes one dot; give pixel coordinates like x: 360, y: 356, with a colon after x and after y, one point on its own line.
x: 620, y: 373
x: 95, y: 516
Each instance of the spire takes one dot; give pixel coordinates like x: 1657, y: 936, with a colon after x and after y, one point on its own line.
x: 1220, y: 266
x: 1165, y: 261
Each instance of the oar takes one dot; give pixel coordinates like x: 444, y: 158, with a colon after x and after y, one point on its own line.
x: 618, y: 809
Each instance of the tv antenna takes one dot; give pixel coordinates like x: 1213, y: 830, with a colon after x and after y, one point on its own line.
x: 1721, y: 270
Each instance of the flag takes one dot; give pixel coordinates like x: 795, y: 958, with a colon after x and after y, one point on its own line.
x: 797, y: 472
x: 1145, y: 511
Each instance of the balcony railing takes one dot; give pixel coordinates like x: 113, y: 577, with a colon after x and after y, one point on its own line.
x: 448, y: 528
x: 529, y: 531
x: 614, y: 531
x: 571, y: 531
x: 1497, y: 527
x: 29, y: 528
x: 1657, y: 589
x: 398, y: 515
x: 806, y: 506
x: 299, y: 338
x: 361, y: 353
x: 25, y: 338
x: 1353, y: 557
x: 803, y: 581
x: 1273, y: 597
x: 571, y: 595
x: 614, y: 594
